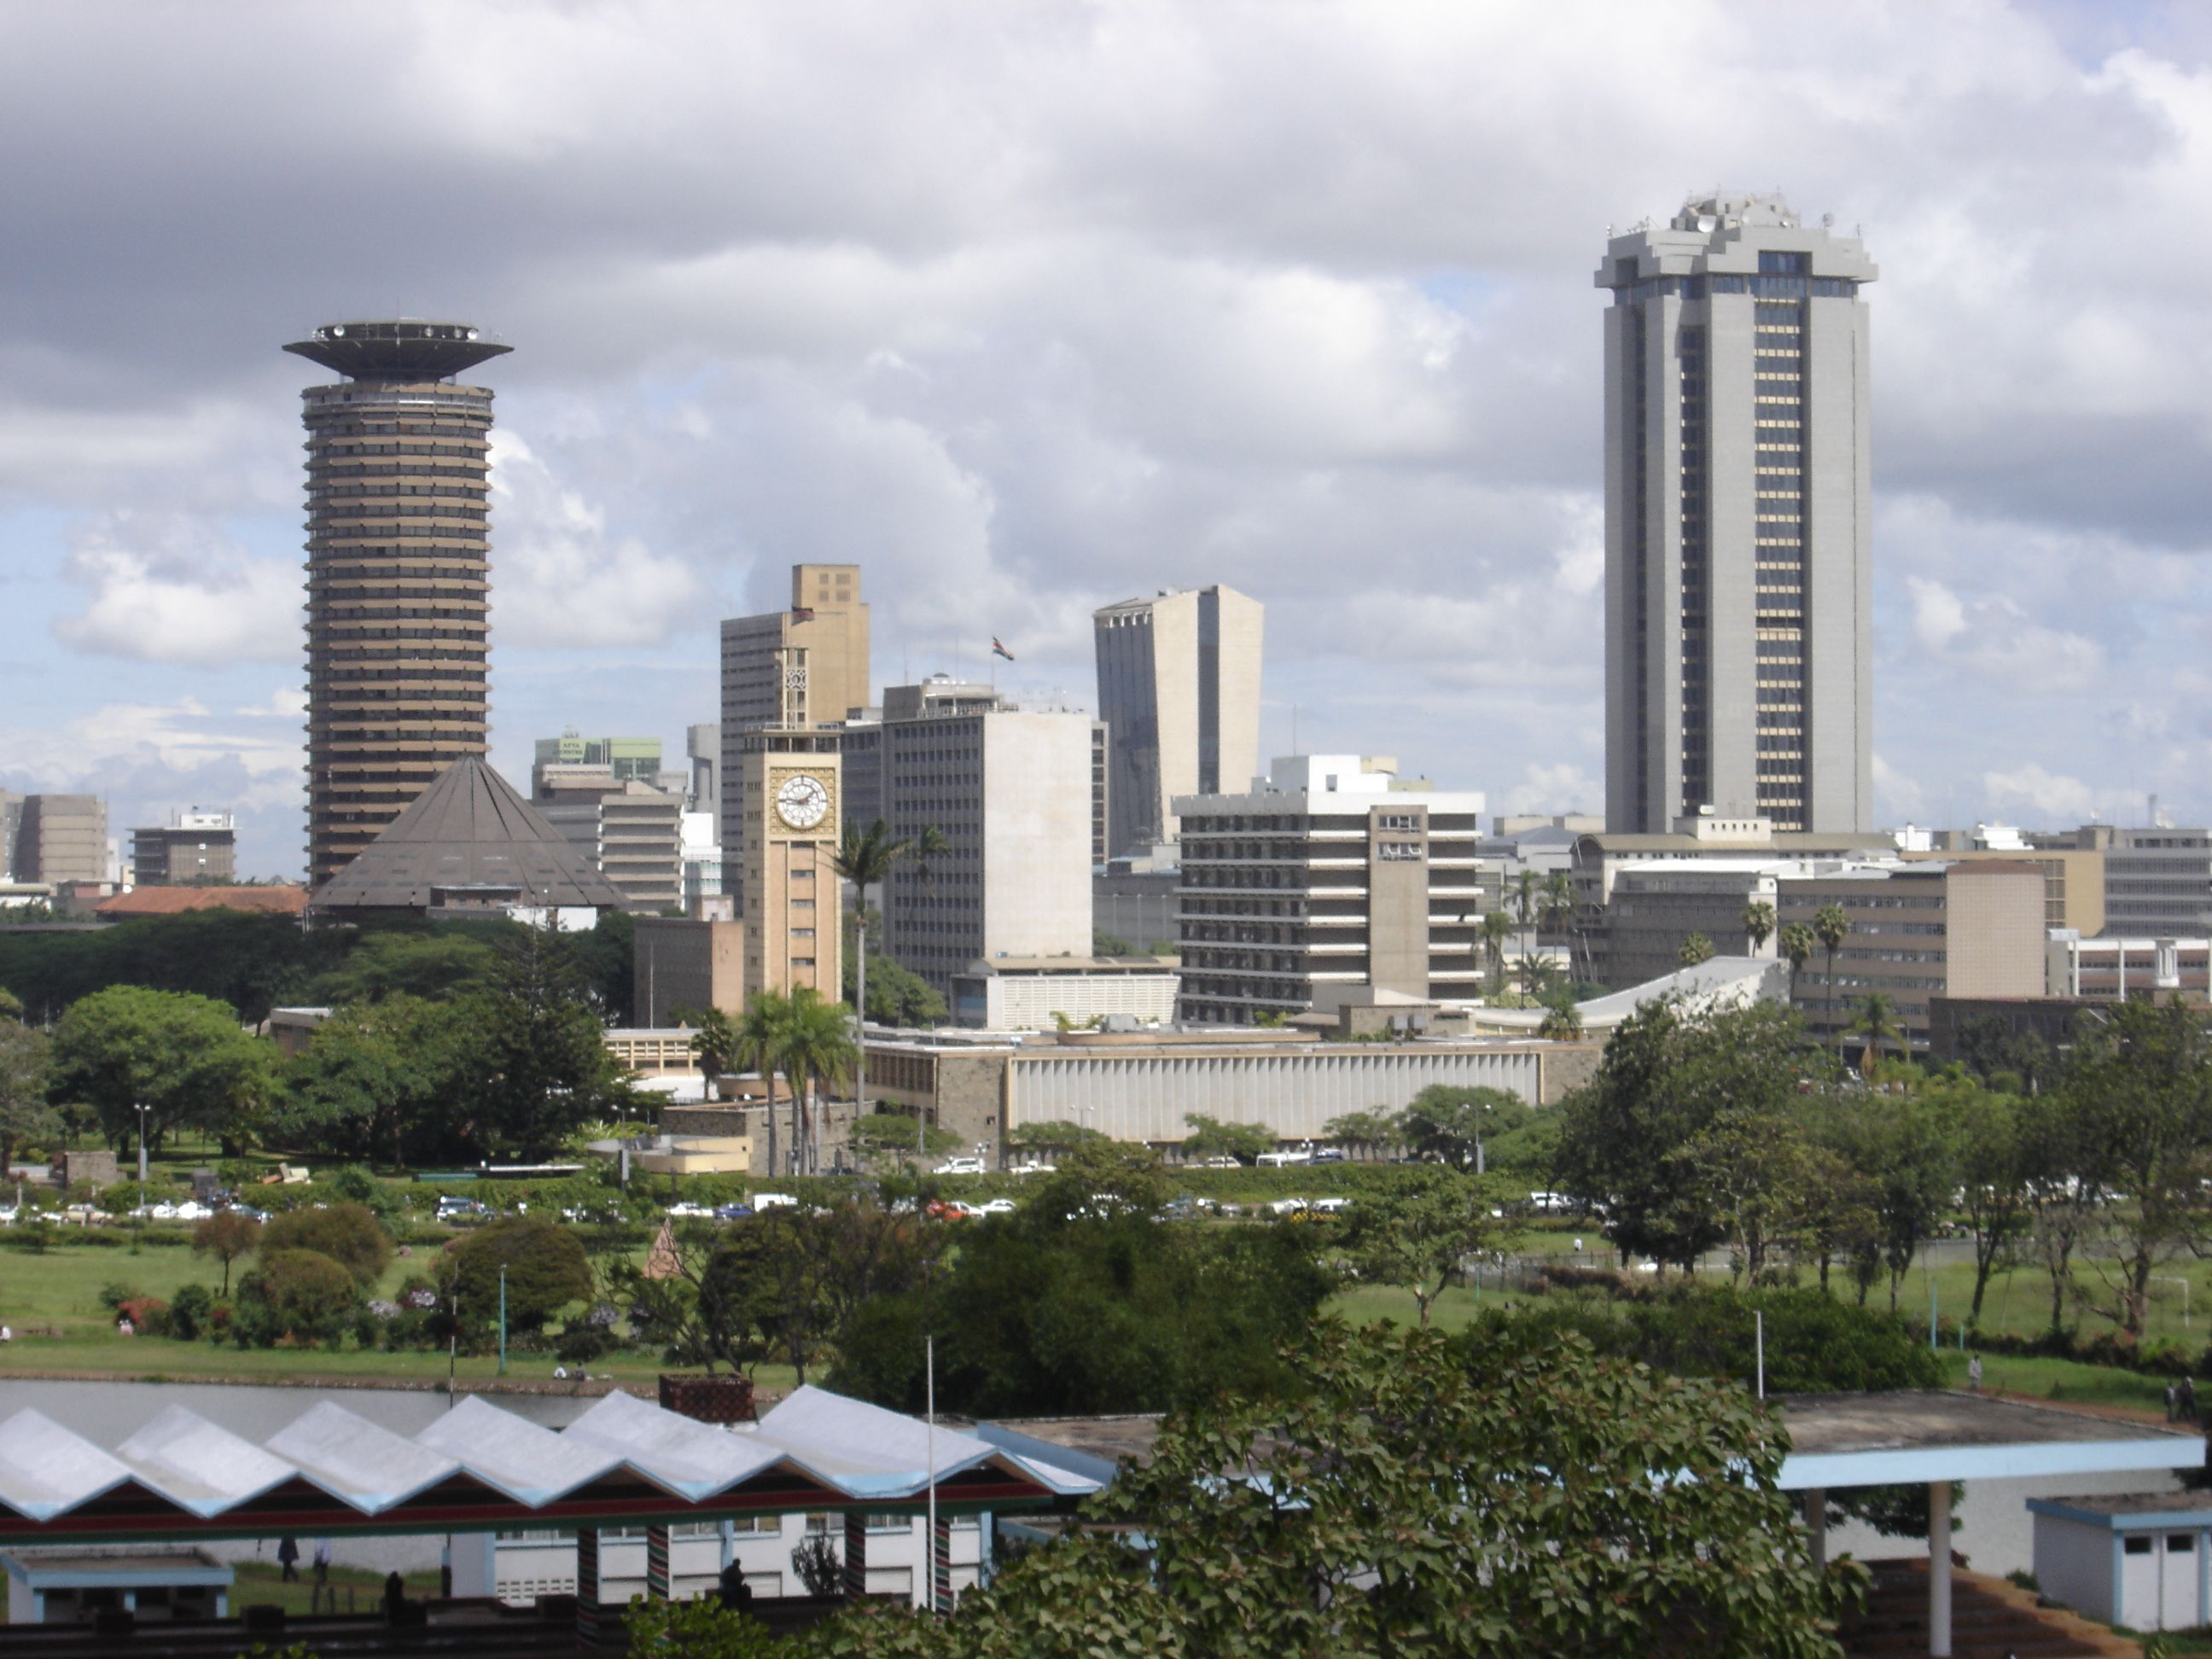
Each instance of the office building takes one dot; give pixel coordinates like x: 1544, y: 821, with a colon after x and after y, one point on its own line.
x: 1179, y: 690
x: 680, y: 966
x: 623, y: 759
x: 1101, y: 817
x: 1035, y: 994
x: 1739, y: 587
x: 1970, y: 930
x: 2158, y: 880
x: 1009, y: 789
x: 2115, y: 969
x: 703, y: 750
x: 196, y: 848
x: 398, y: 573
x: 1329, y: 873
x: 61, y: 838
x: 631, y: 832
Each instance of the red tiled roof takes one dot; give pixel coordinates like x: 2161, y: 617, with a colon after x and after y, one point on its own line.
x: 174, y: 901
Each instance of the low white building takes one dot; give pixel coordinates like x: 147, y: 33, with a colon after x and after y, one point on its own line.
x: 2142, y: 1559
x: 1035, y: 993
x: 2114, y: 969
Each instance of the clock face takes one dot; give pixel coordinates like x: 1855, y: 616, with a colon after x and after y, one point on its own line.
x: 802, y: 801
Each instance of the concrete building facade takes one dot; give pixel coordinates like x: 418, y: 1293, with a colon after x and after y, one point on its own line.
x: 632, y: 833
x: 683, y: 965
x: 1329, y: 872
x: 1009, y: 789
x: 791, y: 899
x: 2114, y: 969
x: 1739, y: 576
x: 398, y: 572
x: 1179, y: 690
x: 1035, y: 993
x: 197, y: 849
x: 2158, y: 880
x: 61, y: 838
x: 1968, y: 930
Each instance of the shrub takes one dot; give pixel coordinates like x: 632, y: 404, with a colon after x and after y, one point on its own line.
x: 300, y: 1296
x: 114, y: 1294
x: 579, y: 1345
x: 546, y: 1271
x: 346, y: 1233
x: 189, y: 1312
x: 149, y: 1314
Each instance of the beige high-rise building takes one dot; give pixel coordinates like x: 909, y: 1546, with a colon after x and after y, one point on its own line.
x: 398, y: 573
x: 61, y: 838
x: 1179, y: 691
x: 791, y: 805
x: 827, y: 626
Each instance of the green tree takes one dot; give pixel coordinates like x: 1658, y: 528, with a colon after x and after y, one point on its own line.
x: 1904, y: 1148
x: 1450, y: 1123
x: 1110, y: 944
x: 1993, y: 1168
x: 1694, y: 950
x: 2140, y: 1084
x: 1367, y: 1132
x: 541, y: 1063
x: 1497, y: 928
x: 1557, y: 898
x: 1417, y: 1233
x: 2062, y: 1205
x: 227, y: 1235
x: 715, y: 1039
x: 346, y: 1233
x: 1758, y: 924
x: 294, y: 1295
x: 1832, y: 926
x: 1876, y: 1024
x: 1209, y: 1137
x: 704, y: 1629
x: 1797, y: 943
x: 1563, y: 1017
x: 866, y: 858
x: 1629, y: 1139
x: 381, y: 1078
x: 890, y: 1135
x: 1354, y: 1535
x: 181, y: 1056
x: 545, y: 1266
x: 606, y: 957
x: 815, y: 1045
x: 1751, y: 1159
x: 436, y: 966
x: 24, y: 1112
x: 1052, y: 1137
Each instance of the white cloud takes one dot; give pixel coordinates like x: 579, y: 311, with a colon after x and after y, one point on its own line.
x: 1561, y: 788
x: 1897, y: 798
x: 169, y: 589
x: 2046, y: 798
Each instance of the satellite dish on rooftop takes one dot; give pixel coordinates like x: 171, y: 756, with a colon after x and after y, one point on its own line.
x: 1707, y: 222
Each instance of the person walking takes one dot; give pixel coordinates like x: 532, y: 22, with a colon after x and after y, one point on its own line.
x: 2189, y: 1400
x: 287, y: 1549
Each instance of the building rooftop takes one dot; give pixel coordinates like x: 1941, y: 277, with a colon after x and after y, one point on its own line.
x: 173, y: 900
x: 469, y: 830
x: 404, y: 350
x: 1840, y: 1440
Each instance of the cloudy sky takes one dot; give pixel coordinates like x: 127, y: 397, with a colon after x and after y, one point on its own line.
x: 1030, y: 306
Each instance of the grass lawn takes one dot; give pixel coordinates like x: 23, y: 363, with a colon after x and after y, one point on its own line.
x: 2064, y: 1380
x: 58, y: 1291
x: 262, y: 1583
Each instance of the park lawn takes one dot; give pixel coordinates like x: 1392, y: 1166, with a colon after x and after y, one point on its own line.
x: 262, y: 1583
x: 2067, y: 1381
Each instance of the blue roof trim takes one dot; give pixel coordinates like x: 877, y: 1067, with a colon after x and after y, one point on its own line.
x: 2034, y: 1459
x: 2138, y: 1521
x: 1088, y: 1464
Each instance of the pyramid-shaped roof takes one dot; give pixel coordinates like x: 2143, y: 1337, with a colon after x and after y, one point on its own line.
x: 470, y: 829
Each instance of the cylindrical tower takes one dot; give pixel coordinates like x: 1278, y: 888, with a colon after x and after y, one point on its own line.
x: 398, y: 572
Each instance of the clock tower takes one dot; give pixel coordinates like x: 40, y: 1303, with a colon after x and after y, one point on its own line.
x: 791, y: 901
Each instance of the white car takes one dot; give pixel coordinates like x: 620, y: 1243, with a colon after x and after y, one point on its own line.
x: 1033, y: 1167
x: 687, y: 1210
x: 1220, y: 1161
x: 959, y: 1166
x: 1330, y: 1205
x: 1282, y: 1160
x: 1289, y: 1206
x: 773, y: 1201
x: 995, y: 1207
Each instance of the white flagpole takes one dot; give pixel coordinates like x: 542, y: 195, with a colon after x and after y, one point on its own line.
x: 929, y: 1543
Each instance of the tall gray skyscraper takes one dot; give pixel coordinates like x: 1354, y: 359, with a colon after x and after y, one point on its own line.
x: 1179, y: 690
x: 1739, y: 574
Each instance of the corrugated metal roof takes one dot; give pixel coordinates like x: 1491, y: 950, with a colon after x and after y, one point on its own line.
x: 816, y: 1447
x: 470, y: 829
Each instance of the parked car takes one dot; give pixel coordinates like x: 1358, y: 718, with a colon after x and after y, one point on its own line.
x: 1328, y: 1155
x: 995, y: 1207
x: 959, y: 1166
x: 1033, y: 1167
x: 688, y: 1211
x: 1330, y: 1205
x: 775, y: 1201
x: 450, y: 1208
x: 1282, y: 1160
x: 1219, y: 1161
x: 1288, y: 1205
x: 734, y: 1212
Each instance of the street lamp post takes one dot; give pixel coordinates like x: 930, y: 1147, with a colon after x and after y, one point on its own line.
x: 502, y: 1319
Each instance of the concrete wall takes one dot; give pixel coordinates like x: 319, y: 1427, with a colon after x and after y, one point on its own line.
x: 1995, y: 933
x: 1035, y: 835
x: 1398, y: 900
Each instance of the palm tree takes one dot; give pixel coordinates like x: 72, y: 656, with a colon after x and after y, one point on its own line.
x: 866, y: 859
x: 1832, y: 928
x: 714, y: 1040
x: 1796, y: 946
x: 1497, y: 928
x: 817, y: 1046
x: 1563, y: 1020
x: 1524, y: 906
x: 1877, y: 1022
x: 1694, y: 950
x: 1758, y: 924
x: 760, y: 1046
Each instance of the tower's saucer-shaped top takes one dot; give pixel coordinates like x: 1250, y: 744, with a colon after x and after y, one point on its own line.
x: 403, y: 350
